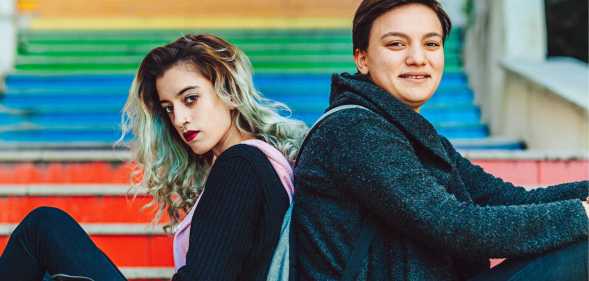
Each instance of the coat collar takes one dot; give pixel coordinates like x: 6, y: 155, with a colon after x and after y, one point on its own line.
x: 358, y: 89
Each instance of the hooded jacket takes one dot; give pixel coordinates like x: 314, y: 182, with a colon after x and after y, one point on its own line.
x: 437, y: 215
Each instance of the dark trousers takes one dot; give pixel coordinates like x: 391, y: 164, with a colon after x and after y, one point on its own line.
x: 568, y: 263
x: 50, y: 241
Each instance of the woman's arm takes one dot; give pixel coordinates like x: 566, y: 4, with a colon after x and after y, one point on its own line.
x: 223, y: 225
x: 375, y: 164
x: 487, y: 189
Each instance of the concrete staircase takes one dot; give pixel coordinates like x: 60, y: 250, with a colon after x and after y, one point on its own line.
x: 60, y: 111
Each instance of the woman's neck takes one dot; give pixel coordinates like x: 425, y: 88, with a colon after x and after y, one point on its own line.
x: 234, y: 136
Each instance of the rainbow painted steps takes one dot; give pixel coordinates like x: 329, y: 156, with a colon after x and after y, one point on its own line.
x: 285, y: 51
x: 69, y: 86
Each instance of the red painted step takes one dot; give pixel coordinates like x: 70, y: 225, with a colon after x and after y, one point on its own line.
x: 65, y: 172
x: 85, y: 209
x: 529, y: 169
x: 126, y: 245
x: 86, y: 203
x: 92, y: 188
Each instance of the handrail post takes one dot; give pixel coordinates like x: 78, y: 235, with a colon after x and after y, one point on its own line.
x: 8, y: 28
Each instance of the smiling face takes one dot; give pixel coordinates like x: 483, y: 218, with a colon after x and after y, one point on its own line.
x: 200, y: 117
x: 405, y: 54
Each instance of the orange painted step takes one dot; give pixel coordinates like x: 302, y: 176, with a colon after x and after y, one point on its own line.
x: 126, y: 246
x: 519, y: 171
x: 228, y: 9
x: 85, y: 209
x: 90, y: 203
x: 65, y: 172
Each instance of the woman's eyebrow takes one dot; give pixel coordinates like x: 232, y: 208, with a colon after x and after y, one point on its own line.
x: 399, y: 34
x: 181, y: 92
x: 432, y: 34
x: 186, y: 89
x: 394, y: 33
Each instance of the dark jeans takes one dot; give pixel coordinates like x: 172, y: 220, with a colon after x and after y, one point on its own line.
x: 568, y: 263
x: 50, y: 241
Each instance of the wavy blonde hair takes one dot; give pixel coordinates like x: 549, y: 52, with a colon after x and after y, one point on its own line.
x: 166, y: 167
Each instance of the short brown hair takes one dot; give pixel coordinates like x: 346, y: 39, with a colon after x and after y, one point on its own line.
x: 370, y: 10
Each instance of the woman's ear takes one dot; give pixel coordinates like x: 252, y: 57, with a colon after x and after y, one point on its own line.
x: 360, y: 58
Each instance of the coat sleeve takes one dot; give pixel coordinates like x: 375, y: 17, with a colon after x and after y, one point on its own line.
x: 223, y: 225
x: 487, y: 189
x: 376, y: 166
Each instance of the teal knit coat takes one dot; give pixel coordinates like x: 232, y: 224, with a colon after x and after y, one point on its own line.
x: 437, y: 215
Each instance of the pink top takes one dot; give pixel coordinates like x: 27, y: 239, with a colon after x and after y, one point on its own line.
x: 284, y: 172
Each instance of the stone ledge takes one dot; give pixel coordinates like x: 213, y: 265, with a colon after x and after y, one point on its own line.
x: 565, y: 77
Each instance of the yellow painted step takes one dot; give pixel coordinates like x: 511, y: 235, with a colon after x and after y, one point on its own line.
x: 43, y: 23
x: 191, y: 8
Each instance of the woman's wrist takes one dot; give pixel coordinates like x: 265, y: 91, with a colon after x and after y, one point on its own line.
x: 586, y: 206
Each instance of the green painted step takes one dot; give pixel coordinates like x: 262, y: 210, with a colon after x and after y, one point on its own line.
x: 259, y: 60
x: 170, y: 34
x: 147, y: 38
x: 262, y: 67
x: 77, y: 50
x: 158, y: 40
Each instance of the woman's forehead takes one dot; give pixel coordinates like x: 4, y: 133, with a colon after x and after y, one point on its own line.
x: 176, y: 79
x: 409, y: 20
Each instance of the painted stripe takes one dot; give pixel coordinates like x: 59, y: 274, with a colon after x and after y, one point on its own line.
x: 538, y: 155
x: 29, y: 146
x: 68, y: 190
x: 105, y: 229
x: 65, y: 155
x: 187, y: 23
x: 131, y: 250
x: 147, y: 272
x: 84, y: 209
x: 124, y: 155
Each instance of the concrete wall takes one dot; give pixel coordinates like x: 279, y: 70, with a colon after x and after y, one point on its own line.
x: 454, y: 9
x: 546, y: 104
x: 515, y: 103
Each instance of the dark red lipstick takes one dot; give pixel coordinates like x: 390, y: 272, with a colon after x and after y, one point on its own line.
x: 190, y: 135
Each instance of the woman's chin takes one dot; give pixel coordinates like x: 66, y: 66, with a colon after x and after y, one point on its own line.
x: 198, y: 150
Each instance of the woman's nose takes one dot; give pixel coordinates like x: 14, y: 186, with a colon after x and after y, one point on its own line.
x: 416, y: 56
x: 181, y: 117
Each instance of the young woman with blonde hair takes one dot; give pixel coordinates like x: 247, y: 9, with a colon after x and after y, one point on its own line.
x: 207, y: 145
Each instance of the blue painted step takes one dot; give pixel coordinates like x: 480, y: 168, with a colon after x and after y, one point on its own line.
x: 30, y: 81
x: 73, y: 133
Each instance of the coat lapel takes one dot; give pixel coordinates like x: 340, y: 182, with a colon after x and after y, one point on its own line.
x: 347, y: 88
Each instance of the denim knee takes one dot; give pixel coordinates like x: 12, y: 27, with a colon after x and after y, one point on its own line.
x: 45, y: 218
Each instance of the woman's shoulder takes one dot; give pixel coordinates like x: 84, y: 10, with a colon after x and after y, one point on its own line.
x: 247, y: 163
x: 243, y: 153
x: 239, y: 166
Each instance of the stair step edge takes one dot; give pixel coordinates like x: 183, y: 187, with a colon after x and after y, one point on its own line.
x: 147, y: 272
x: 105, y: 229
x: 69, y: 190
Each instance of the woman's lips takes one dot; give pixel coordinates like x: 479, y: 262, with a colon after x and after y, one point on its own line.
x: 190, y: 135
x: 415, y: 76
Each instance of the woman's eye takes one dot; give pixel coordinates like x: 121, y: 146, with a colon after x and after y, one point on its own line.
x: 190, y: 99
x: 396, y: 44
x: 432, y: 44
x: 168, y: 109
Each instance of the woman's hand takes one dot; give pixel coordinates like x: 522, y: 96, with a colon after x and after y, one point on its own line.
x: 586, y: 206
